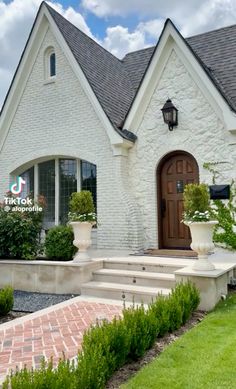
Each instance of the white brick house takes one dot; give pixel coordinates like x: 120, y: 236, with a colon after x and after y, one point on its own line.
x: 77, y: 117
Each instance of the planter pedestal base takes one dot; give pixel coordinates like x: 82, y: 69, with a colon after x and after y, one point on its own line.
x: 81, y: 257
x: 203, y: 264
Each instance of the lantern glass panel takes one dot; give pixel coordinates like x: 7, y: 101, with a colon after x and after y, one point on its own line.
x: 168, y: 116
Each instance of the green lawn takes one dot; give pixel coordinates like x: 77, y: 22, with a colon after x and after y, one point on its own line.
x: 204, y: 357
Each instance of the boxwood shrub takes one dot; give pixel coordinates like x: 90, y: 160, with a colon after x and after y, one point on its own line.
x: 109, y: 345
x: 59, y: 243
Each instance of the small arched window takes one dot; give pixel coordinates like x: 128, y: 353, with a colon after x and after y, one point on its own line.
x: 49, y: 63
x: 52, y: 65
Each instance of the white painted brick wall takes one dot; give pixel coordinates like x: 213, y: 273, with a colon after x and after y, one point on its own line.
x: 199, y: 132
x: 57, y: 119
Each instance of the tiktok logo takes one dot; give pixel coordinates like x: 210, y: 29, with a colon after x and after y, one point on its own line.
x: 17, y: 187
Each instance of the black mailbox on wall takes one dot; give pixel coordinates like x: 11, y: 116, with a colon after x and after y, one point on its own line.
x: 219, y: 192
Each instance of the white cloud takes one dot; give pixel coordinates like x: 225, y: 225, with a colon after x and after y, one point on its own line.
x: 120, y: 41
x: 74, y: 17
x: 152, y: 28
x: 156, y: 8
x: 191, y: 16
x: 5, y: 77
x: 211, y: 15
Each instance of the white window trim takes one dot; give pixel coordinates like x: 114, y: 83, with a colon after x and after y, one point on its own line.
x: 78, y: 175
x: 48, y: 79
x: 36, y: 181
x: 57, y: 184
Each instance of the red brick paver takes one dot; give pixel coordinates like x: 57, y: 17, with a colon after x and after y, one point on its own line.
x: 49, y: 334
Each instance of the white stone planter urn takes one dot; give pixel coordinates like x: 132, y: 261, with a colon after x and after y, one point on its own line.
x: 82, y: 240
x: 201, y: 233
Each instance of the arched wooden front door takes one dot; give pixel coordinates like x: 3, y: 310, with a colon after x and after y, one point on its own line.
x: 174, y: 172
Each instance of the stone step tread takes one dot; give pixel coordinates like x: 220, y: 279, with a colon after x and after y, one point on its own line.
x: 135, y: 273
x: 155, y: 261
x: 126, y: 288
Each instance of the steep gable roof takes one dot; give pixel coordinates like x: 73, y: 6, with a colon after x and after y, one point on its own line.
x: 215, y: 50
x: 105, y: 73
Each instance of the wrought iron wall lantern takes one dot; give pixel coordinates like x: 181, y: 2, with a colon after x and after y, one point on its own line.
x: 170, y: 114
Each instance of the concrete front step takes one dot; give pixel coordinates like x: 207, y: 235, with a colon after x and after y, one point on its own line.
x: 123, y: 292
x: 133, y: 277
x: 146, y: 264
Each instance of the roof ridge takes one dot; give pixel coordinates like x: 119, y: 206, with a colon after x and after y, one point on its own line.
x: 77, y: 28
x: 136, y: 51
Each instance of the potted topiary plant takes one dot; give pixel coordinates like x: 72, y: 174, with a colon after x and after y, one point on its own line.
x: 200, y: 218
x: 82, y: 217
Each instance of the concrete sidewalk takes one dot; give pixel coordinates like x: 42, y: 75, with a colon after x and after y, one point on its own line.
x: 51, y: 331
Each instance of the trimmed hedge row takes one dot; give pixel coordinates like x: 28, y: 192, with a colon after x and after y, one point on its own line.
x: 108, y: 346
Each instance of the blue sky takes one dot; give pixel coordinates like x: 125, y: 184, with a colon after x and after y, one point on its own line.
x: 99, y: 25
x: 120, y: 26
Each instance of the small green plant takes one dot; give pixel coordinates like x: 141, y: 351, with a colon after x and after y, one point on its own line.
x: 59, y: 243
x: 160, y: 309
x: 175, y: 312
x: 109, y: 341
x: 143, y: 328
x: 63, y: 377
x: 6, y: 300
x: 93, y: 370
x: 81, y: 207
x: 188, y: 299
x: 225, y: 231
x: 197, y: 203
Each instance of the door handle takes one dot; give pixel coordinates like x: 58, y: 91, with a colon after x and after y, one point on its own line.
x: 163, y: 207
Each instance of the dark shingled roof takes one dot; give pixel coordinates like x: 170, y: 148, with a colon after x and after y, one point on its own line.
x: 105, y: 73
x: 115, y: 82
x: 136, y: 64
x: 217, y: 50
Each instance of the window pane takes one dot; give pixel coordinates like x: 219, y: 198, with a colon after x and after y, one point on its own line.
x: 89, y: 179
x: 67, y: 185
x: 47, y: 189
x: 52, y: 65
x: 28, y: 188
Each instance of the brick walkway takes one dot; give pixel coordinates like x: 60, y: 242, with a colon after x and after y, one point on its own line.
x: 49, y: 333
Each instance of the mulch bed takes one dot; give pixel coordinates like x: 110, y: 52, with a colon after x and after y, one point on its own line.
x: 130, y: 369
